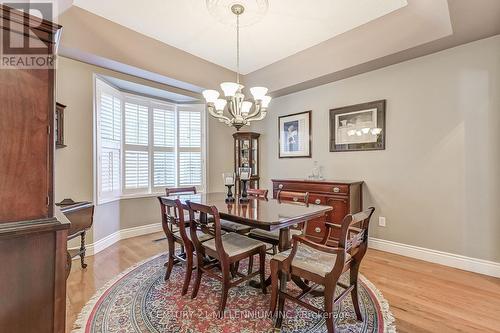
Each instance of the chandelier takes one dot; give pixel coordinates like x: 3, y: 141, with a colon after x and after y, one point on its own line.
x: 240, y: 111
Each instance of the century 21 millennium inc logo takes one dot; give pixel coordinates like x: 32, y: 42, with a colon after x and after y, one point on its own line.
x: 23, y: 44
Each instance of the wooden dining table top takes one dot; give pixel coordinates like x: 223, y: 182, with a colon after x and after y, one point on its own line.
x: 266, y: 214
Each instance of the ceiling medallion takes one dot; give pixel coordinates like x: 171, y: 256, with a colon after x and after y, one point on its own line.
x: 240, y: 112
x: 221, y: 10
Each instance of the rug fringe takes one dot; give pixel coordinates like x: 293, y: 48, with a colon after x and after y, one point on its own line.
x: 83, y: 316
x: 389, y: 320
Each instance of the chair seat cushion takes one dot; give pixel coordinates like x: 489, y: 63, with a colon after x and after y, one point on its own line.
x: 234, y: 227
x: 201, y: 235
x: 311, y: 260
x: 273, y: 235
x: 235, y: 244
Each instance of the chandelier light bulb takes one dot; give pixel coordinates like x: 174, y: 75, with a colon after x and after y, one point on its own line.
x: 220, y: 104
x: 230, y: 88
x: 265, y: 101
x: 210, y: 95
x: 258, y: 92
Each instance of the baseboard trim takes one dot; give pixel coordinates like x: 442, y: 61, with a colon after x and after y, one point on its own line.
x: 475, y: 265
x: 119, y: 235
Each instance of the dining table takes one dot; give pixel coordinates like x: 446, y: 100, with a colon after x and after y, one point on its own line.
x: 259, y: 213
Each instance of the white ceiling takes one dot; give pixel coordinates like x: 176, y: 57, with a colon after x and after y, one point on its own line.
x: 187, y: 25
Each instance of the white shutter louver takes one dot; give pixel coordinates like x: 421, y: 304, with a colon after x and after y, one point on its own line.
x: 110, y: 170
x: 164, y: 168
x: 164, y: 128
x: 189, y: 168
x: 136, y: 124
x: 136, y: 169
x: 189, y: 129
x: 190, y: 158
x: 110, y: 117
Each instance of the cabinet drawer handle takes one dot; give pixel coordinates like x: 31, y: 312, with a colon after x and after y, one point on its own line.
x: 295, y: 199
x: 336, y: 189
x: 295, y: 225
x: 280, y: 186
x: 317, y: 201
x: 317, y: 229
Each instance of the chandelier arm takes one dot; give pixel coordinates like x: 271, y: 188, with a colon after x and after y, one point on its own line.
x: 216, y: 115
x: 262, y: 115
x: 255, y: 112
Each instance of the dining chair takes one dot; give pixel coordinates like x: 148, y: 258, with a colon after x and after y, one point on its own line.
x: 227, y: 249
x: 323, y: 265
x: 241, y: 228
x: 174, y: 226
x: 272, y: 237
x: 238, y: 227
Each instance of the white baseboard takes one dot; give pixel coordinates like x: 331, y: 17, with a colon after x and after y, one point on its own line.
x: 475, y: 265
x: 443, y: 258
x: 119, y: 235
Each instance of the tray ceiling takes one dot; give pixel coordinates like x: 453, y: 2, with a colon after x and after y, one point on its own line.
x: 187, y: 25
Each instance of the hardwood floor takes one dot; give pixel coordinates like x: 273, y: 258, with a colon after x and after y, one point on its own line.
x: 424, y: 297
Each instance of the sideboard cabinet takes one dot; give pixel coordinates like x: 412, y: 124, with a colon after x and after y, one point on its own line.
x: 345, y: 197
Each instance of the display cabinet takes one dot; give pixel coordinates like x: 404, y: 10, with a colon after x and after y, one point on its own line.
x: 246, y: 155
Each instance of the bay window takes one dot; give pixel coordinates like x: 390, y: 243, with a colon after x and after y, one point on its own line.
x: 144, y: 145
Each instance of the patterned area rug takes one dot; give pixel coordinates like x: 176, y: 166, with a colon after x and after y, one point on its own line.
x: 139, y: 300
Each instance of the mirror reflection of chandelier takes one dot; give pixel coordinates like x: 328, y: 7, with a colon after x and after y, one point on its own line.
x: 240, y: 111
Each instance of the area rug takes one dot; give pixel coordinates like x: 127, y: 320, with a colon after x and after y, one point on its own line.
x: 139, y: 300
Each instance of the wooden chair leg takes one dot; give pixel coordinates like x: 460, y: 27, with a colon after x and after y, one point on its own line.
x: 329, y: 306
x: 281, y: 301
x: 189, y: 271
x: 274, y: 286
x: 262, y: 269
x: 199, y: 273
x: 250, y: 265
x: 225, y: 288
x: 170, y: 263
x: 354, y: 293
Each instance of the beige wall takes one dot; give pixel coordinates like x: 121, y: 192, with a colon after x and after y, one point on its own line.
x: 438, y: 180
x: 74, y: 164
x: 92, y: 38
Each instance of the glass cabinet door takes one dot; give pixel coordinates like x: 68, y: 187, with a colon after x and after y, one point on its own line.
x: 254, y: 157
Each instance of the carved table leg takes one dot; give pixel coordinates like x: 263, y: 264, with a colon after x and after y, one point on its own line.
x: 83, y: 249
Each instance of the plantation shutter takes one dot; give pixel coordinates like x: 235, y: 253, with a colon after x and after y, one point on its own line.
x: 190, y: 147
x: 136, y: 159
x: 109, y: 119
x: 164, y: 166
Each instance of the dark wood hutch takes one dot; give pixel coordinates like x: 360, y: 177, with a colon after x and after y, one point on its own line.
x: 32, y: 241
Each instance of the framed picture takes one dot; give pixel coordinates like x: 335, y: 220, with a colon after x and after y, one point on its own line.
x: 358, y: 127
x: 295, y: 135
